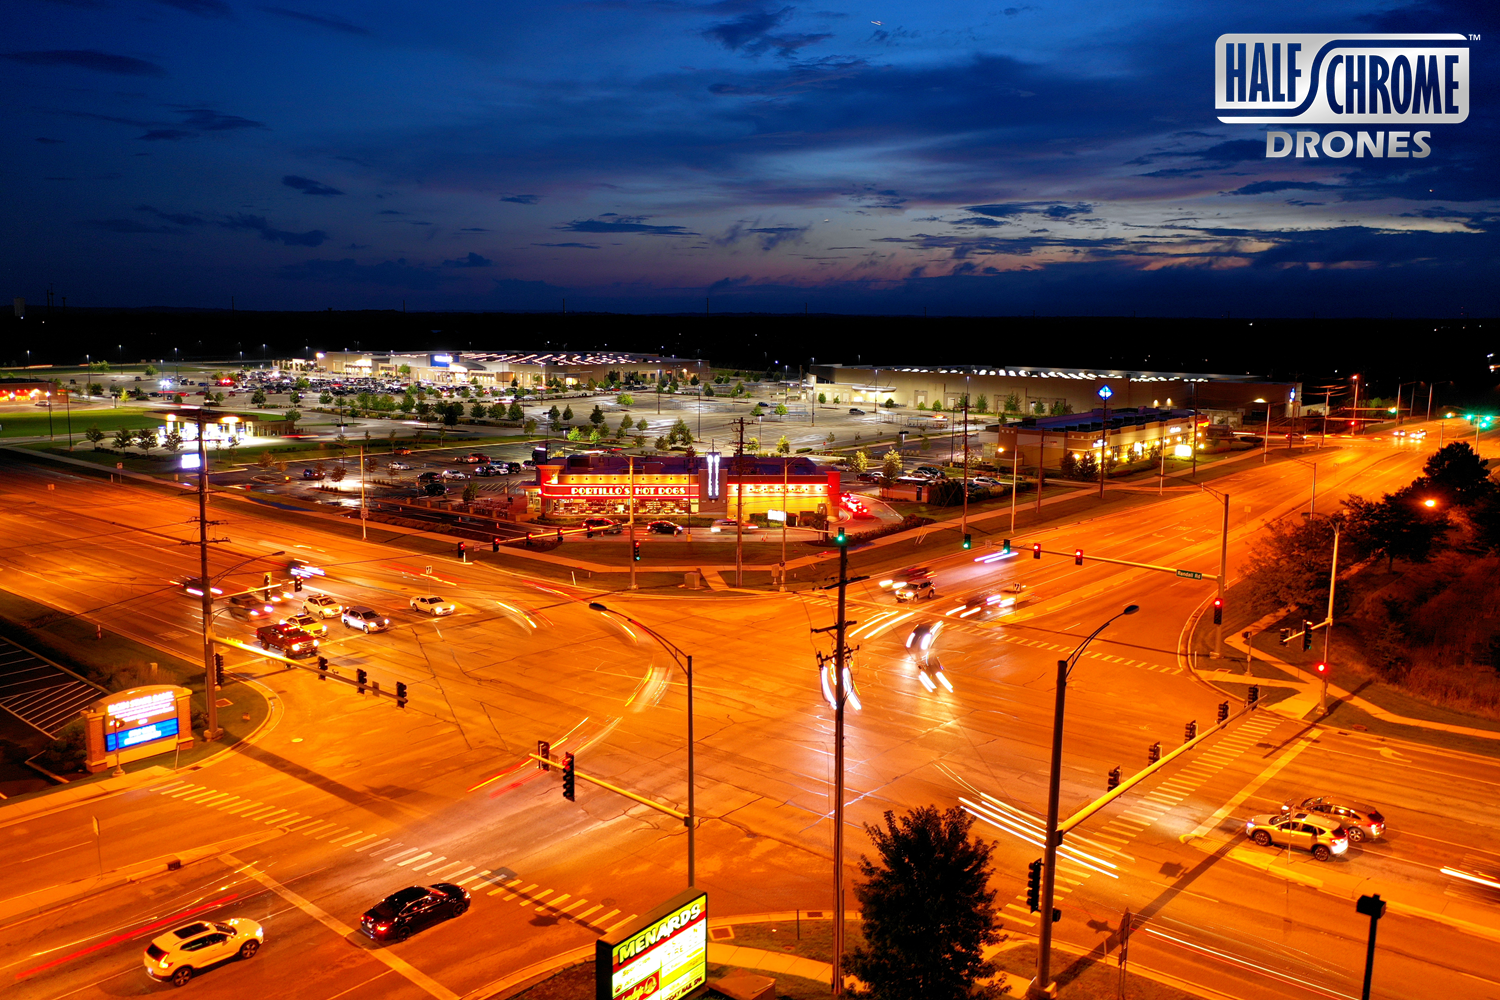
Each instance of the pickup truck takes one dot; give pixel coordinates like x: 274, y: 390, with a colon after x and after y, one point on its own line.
x: 288, y: 640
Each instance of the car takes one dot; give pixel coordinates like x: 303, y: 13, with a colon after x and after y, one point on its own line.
x: 289, y: 640
x: 728, y: 523
x: 401, y: 451
x: 511, y: 468
x: 311, y: 474
x: 180, y: 954
x: 193, y: 586
x: 433, y: 605
x: 249, y: 606
x: 923, y: 636
x: 401, y: 914
x: 453, y: 474
x: 909, y: 574
x: 476, y: 458
x: 856, y: 412
x: 314, y: 627
x: 664, y: 527
x: 985, y: 605
x: 603, y: 525
x: 988, y: 481
x: 400, y: 467
x: 919, y: 590
x: 930, y: 471
x: 1362, y: 822
x: 365, y: 619
x: 1322, y: 837
x: 488, y: 470
x: 434, y: 490
x: 321, y: 606
x: 429, y: 477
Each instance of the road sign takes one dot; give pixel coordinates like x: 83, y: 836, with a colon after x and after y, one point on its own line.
x: 775, y: 515
x: 1105, y: 392
x: 1188, y: 574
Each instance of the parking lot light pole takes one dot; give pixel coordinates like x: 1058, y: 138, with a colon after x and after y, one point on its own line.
x: 685, y: 661
x: 1042, y: 985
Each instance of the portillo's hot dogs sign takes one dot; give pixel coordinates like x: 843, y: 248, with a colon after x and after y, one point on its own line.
x: 567, y: 491
x: 660, y: 956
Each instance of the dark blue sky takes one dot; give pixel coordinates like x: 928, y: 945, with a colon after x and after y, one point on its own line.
x: 640, y: 155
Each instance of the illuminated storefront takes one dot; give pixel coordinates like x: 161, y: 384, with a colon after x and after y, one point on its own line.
x: 679, y: 485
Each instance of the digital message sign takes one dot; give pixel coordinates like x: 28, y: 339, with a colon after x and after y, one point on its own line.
x: 660, y: 956
x: 124, y: 739
x: 136, y: 724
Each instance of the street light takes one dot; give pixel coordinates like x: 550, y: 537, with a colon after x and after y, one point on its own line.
x: 1043, y: 981
x: 1312, y: 506
x: 685, y: 661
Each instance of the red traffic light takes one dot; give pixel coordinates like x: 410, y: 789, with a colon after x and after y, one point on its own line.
x: 1077, y: 557
x: 1218, y: 602
x: 1321, y: 669
x: 1036, y: 550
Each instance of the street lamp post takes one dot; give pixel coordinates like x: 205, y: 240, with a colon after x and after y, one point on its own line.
x: 685, y: 661
x: 1223, y: 564
x: 1312, y: 505
x: 1043, y: 981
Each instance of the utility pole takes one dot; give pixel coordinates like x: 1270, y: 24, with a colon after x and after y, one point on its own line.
x: 1195, y: 430
x: 1223, y: 564
x: 841, y: 693
x: 739, y: 505
x: 363, y: 514
x: 1015, y: 480
x: 210, y: 688
x: 964, y: 526
x: 1327, y: 403
x: 1041, y: 464
x: 1333, y: 579
x: 631, y: 521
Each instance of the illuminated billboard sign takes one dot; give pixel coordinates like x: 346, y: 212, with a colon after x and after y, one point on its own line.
x: 592, y: 491
x: 660, y: 956
x: 439, y: 360
x: 135, y: 724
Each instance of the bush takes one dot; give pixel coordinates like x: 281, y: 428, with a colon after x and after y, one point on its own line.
x: 66, y: 753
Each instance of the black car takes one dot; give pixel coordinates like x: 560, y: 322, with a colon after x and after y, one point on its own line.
x: 429, y: 477
x: 855, y: 411
x: 311, y: 474
x: 401, y: 914
x: 665, y: 527
x: 434, y: 490
x: 489, y: 470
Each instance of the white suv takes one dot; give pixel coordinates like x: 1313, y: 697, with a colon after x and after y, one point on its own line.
x: 321, y: 606
x: 176, y: 955
x: 365, y: 619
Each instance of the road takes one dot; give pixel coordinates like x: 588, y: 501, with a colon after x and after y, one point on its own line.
x: 443, y: 789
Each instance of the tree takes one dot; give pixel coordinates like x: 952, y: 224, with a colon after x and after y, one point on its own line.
x: 477, y: 409
x: 404, y: 369
x: 625, y: 425
x: 124, y: 438
x: 597, y: 417
x: 294, y: 397
x: 662, y: 444
x: 293, y: 415
x: 554, y: 415
x: 514, y: 412
x: 708, y: 390
x: 783, y: 446
x: 1012, y: 403
x: 567, y: 414
x: 407, y: 404
x: 681, y: 432
x: 337, y: 473
x: 172, y: 441
x: 982, y: 404
x: 890, y: 466
x: 451, y: 413
x: 1457, y: 475
x: 641, y: 424
x: 860, y: 462
x: 145, y: 439
x: 497, y: 411
x: 266, y: 461
x: 150, y: 370
x: 218, y: 399
x: 1039, y: 408
x: 752, y: 445
x: 780, y: 410
x: 1398, y: 526
x: 922, y: 405
x: 626, y: 399
x: 937, y: 406
x: 94, y: 435
x: 529, y: 427
x: 1289, y: 565
x: 822, y: 397
x: 325, y: 398
x: 928, y: 909
x: 889, y: 404
x: 1088, y: 467
x: 471, y: 492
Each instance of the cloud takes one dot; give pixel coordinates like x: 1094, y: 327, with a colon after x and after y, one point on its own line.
x: 103, y: 62
x: 473, y: 229
x: 130, y: 226
x: 1005, y: 211
x: 258, y: 223
x: 209, y: 120
x: 521, y: 199
x: 203, y: 8
x: 178, y: 218
x: 323, y: 21
x: 1271, y: 187
x: 750, y: 33
x: 389, y: 274
x: 308, y: 186
x: 625, y: 224
x: 580, y: 246
x: 50, y: 142
x: 472, y: 260
x: 769, y: 237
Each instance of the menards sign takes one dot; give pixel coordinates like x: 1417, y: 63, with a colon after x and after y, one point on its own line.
x: 660, y: 956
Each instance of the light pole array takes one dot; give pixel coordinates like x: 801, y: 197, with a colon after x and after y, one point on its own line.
x: 1043, y: 981
x: 684, y: 661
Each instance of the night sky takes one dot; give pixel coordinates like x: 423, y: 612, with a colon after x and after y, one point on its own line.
x: 968, y: 158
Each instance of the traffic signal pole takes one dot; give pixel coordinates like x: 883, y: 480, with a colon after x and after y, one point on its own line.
x: 210, y: 689
x: 1333, y: 579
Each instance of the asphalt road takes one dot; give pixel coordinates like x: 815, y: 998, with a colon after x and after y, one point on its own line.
x: 443, y: 789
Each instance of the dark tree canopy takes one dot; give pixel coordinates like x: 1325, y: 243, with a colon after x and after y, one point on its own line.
x: 1399, y: 525
x: 1289, y: 566
x: 1457, y: 475
x: 928, y: 908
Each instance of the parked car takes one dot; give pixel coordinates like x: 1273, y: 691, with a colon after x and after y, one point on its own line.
x: 870, y: 477
x: 476, y: 458
x: 1321, y: 836
x: 930, y: 471
x: 314, y: 627
x: 179, y: 954
x: 1362, y: 822
x: 401, y: 914
x: 434, y: 489
x: 727, y: 524
x: 400, y: 467
x: 288, y: 640
x: 453, y: 474
x: 429, y: 477
x: 664, y: 527
x: 603, y: 525
x: 311, y: 474
x: 365, y: 619
x: 433, y: 605
x: 855, y: 411
x: 402, y: 451
x: 321, y: 606
x: 488, y: 470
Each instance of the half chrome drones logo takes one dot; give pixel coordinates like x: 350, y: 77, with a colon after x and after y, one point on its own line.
x: 1346, y: 80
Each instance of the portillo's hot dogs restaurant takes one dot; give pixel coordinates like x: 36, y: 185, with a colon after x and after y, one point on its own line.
x: 675, y: 485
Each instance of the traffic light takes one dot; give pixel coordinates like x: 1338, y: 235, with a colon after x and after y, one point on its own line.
x: 635, y: 551
x: 544, y: 749
x: 1223, y: 710
x: 1077, y: 557
x: 839, y: 539
x: 1036, y: 550
x: 968, y: 541
x: 1114, y: 777
x: 1005, y: 547
x: 322, y: 668
x: 1252, y: 697
x: 568, y: 778
x: 360, y: 677
x: 1153, y: 752
x: 1321, y: 669
x: 266, y: 580
x: 297, y: 584
x: 1285, y: 636
x: 1218, y: 611
x: 495, y: 545
x: 1190, y: 731
x: 400, y: 694
x: 1034, y: 885
x: 218, y: 670
x: 461, y: 548
x: 1307, y: 628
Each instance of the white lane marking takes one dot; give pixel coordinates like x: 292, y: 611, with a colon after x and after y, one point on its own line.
x: 617, y: 926
x: 328, y: 833
x: 591, y: 910
x: 399, y: 854
x: 453, y: 874
x: 242, y: 809
x: 382, y: 840
x: 473, y: 877
x: 418, y: 978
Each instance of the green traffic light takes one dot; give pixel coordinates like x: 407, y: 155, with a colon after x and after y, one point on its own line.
x: 841, y: 540
x: 968, y: 541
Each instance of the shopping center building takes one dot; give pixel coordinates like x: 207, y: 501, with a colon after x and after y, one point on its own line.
x: 678, y: 485
x: 1125, y: 435
x: 526, y: 369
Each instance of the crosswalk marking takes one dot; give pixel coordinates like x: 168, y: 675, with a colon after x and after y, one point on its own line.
x: 382, y: 840
x: 399, y: 854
